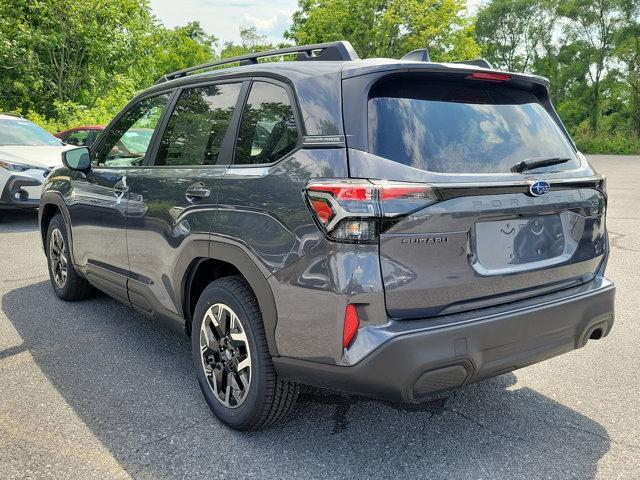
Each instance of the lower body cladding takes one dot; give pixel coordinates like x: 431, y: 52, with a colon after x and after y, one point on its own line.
x: 20, y: 191
x: 412, y: 359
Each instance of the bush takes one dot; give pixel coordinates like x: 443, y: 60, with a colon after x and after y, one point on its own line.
x: 614, y: 144
x: 71, y: 114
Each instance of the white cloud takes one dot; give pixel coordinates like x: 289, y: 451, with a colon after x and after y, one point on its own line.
x: 224, y: 18
x: 260, y: 23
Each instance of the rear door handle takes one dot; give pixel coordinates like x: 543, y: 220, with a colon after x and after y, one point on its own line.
x: 197, y: 192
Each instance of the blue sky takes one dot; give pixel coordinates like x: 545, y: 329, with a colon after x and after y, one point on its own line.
x: 223, y: 18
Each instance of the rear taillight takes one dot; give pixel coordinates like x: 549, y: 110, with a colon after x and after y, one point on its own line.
x: 353, y: 210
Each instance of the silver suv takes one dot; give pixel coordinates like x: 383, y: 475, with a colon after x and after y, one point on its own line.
x: 389, y: 228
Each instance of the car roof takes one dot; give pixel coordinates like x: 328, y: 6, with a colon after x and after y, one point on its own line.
x: 316, y: 75
x: 83, y: 127
x: 297, y: 71
x: 10, y: 116
x: 314, y: 85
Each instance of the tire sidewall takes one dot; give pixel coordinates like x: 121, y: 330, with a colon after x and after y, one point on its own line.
x: 58, y: 223
x: 245, y: 415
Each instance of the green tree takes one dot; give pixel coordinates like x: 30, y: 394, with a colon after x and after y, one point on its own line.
x: 513, y: 33
x: 250, y: 41
x: 388, y: 28
x: 68, y: 62
x: 178, y: 48
x: 593, y: 25
x: 627, y: 52
x: 566, y: 67
x: 75, y: 49
x: 19, y: 63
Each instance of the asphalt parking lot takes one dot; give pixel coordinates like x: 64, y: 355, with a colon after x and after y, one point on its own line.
x: 94, y: 390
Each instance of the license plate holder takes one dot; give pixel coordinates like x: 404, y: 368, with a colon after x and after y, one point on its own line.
x: 520, y: 243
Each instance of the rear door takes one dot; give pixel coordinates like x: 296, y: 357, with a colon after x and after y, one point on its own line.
x: 494, y: 235
x: 259, y: 189
x: 173, y: 198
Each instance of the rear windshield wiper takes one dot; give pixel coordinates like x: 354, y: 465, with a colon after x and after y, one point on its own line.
x: 531, y: 163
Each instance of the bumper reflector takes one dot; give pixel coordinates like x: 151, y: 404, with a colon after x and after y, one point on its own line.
x: 351, y: 324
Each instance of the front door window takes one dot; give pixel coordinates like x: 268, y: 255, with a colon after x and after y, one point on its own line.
x: 126, y: 142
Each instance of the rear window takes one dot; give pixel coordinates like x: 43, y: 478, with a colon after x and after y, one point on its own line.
x: 462, y: 127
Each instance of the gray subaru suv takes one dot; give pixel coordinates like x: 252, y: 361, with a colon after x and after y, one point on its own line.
x: 389, y: 228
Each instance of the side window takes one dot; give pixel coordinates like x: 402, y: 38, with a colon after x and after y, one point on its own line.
x: 127, y: 141
x: 78, y: 138
x: 268, y: 128
x: 198, y: 125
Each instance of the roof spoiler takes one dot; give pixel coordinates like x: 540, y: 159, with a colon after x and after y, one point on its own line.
x: 422, y: 55
x: 478, y: 62
x: 419, y: 55
x: 330, y: 51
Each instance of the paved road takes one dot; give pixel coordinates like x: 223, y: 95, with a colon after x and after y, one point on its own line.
x: 93, y: 390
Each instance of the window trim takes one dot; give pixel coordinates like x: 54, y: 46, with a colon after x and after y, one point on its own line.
x: 225, y: 148
x: 93, y: 135
x: 93, y: 150
x: 296, y: 115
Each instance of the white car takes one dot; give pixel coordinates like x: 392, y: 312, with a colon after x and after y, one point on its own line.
x: 27, y: 155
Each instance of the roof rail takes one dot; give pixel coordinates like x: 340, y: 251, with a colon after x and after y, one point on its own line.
x: 336, y: 51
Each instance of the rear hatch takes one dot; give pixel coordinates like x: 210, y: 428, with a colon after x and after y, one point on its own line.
x: 497, y: 232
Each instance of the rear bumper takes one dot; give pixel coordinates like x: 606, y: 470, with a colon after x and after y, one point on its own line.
x: 424, y: 360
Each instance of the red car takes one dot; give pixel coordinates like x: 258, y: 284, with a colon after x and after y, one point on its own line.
x: 80, y: 136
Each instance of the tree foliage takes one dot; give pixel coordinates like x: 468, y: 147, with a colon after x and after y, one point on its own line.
x: 69, y: 50
x: 627, y: 55
x: 70, y: 62
x: 592, y: 24
x: 66, y: 59
x: 589, y: 50
x: 515, y: 32
x: 388, y: 28
x: 250, y: 41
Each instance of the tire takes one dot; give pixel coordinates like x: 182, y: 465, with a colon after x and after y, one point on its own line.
x: 73, y: 287
x: 267, y: 399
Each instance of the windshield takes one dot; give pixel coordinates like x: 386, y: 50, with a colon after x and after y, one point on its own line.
x: 462, y: 127
x: 23, y: 132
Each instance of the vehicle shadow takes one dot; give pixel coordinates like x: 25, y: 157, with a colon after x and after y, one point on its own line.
x: 18, y: 221
x: 131, y: 382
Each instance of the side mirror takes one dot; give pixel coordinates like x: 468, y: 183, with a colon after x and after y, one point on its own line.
x: 77, y: 159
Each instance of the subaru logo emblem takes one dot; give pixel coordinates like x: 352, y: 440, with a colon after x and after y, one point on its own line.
x: 539, y: 188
